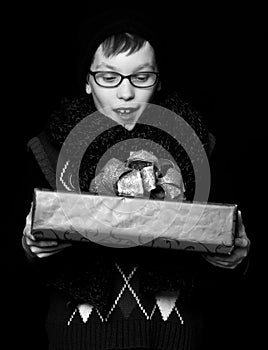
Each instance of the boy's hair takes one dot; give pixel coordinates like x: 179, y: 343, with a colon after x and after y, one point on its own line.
x: 122, y: 42
x: 117, y: 31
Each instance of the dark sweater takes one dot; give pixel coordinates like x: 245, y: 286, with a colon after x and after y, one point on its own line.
x: 106, y: 298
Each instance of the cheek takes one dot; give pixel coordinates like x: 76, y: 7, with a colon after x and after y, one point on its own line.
x: 102, y: 99
x: 145, y: 95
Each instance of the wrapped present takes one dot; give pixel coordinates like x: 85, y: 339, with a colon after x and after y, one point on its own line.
x: 119, y: 221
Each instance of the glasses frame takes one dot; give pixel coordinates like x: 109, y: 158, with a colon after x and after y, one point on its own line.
x: 122, y: 77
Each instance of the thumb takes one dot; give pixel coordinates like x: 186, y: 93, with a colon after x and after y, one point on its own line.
x: 241, y: 232
x: 242, y: 239
x: 241, y: 242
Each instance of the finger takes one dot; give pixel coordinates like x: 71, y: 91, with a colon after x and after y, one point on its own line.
x: 49, y: 249
x: 219, y: 260
x: 237, y: 256
x: 44, y: 255
x: 223, y: 264
x: 214, y: 258
x: 40, y: 244
x: 44, y: 252
x: 29, y: 241
x: 242, y: 242
x: 27, y: 233
x: 63, y: 245
x: 47, y: 254
x: 45, y: 244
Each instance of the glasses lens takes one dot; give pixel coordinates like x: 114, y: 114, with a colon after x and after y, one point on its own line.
x: 144, y: 79
x: 107, y: 79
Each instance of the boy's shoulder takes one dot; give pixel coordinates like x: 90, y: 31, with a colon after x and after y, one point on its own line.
x: 69, y: 112
x: 172, y: 100
x: 75, y: 104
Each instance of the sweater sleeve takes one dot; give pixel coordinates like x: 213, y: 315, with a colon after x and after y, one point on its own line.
x: 70, y: 269
x: 33, y: 178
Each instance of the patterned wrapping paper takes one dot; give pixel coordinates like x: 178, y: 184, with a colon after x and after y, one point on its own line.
x: 126, y: 222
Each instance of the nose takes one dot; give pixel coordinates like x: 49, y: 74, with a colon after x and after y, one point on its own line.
x: 125, y: 90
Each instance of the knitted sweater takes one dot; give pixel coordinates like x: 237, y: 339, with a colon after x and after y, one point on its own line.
x: 107, y: 298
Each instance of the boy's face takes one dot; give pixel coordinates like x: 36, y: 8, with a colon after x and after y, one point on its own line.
x: 124, y: 103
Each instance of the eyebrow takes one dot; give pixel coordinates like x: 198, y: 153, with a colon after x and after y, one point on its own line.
x: 141, y: 66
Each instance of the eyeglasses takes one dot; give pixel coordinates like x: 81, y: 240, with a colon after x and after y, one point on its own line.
x: 113, y: 79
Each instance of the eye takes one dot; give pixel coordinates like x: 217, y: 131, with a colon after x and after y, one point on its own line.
x: 108, y: 76
x: 141, y: 77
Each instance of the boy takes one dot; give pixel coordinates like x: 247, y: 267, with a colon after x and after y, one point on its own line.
x: 110, y: 299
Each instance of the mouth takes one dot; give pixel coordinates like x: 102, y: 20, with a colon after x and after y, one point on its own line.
x: 126, y: 112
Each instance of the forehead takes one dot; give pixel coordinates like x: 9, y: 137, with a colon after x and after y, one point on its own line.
x: 124, y: 61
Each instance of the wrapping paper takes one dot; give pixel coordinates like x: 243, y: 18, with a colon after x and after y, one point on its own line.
x: 123, y: 222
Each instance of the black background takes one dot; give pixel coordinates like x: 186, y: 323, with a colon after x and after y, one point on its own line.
x: 216, y: 56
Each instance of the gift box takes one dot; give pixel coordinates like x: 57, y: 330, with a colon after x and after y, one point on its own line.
x: 124, y: 222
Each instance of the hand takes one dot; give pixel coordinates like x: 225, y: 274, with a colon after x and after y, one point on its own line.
x: 241, y: 249
x: 40, y: 248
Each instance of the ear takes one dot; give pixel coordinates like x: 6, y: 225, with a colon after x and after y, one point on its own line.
x: 88, y: 88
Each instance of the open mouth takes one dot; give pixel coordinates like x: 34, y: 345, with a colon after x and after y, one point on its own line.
x: 125, y: 112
